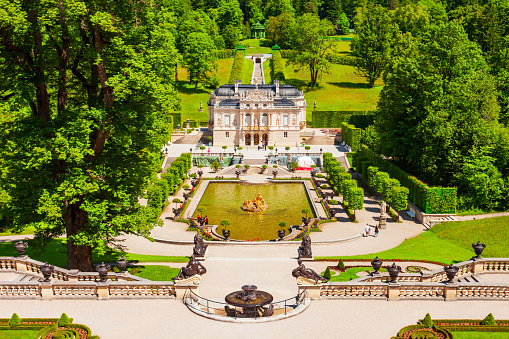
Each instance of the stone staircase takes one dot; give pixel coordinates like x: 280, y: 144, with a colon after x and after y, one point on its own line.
x: 257, y: 78
x: 469, y: 279
x: 439, y: 220
x: 27, y: 278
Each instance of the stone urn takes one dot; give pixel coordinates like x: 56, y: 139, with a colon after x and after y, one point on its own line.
x: 281, y: 234
x: 46, y: 271
x: 21, y: 247
x: 478, y: 249
x: 226, y: 234
x: 274, y: 173
x: 394, y: 272
x: 200, y: 173
x: 122, y: 264
x: 451, y: 272
x: 194, y: 183
x: 237, y: 172
x: 103, y: 269
x: 313, y: 173
x: 376, y: 264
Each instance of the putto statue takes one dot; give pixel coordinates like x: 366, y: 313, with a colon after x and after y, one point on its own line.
x: 199, y: 246
x: 256, y: 205
x: 305, y: 247
x: 307, y: 273
x: 193, y: 267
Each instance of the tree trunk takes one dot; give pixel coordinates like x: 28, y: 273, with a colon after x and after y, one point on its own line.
x: 176, y: 75
x: 195, y: 85
x: 371, y: 83
x: 78, y: 257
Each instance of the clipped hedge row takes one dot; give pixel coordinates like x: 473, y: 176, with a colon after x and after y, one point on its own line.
x: 177, y: 119
x: 277, y: 67
x: 431, y: 200
x: 334, y: 119
x: 225, y: 53
x: 287, y: 53
x: 238, y: 64
x: 351, y: 135
x: 195, y: 123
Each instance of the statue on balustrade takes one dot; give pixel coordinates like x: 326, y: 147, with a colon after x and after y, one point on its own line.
x: 193, y: 267
x: 308, y: 273
x: 305, y: 248
x: 199, y: 246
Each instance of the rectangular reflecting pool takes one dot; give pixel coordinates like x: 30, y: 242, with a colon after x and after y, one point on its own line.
x: 285, y: 202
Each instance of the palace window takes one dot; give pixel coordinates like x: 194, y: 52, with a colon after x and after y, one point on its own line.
x: 227, y: 134
x: 285, y: 134
x: 227, y: 120
x: 285, y: 120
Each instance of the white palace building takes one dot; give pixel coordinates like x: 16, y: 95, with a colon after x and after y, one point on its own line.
x: 256, y: 115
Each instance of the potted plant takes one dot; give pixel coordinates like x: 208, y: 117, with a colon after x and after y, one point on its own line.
x: 224, y: 148
x: 186, y: 187
x: 275, y: 166
x: 264, y: 167
x: 307, y: 148
x: 246, y: 166
x: 193, y: 175
x: 176, y: 201
x: 271, y: 148
x: 238, y: 166
x: 293, y: 166
x: 305, y: 219
x: 225, y: 223
x: 287, y: 148
x: 239, y: 148
x: 215, y: 166
x: 202, y: 148
x: 210, y: 140
x: 281, y: 232
x: 201, y: 210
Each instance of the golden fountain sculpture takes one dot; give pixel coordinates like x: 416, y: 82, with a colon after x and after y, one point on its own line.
x: 256, y: 205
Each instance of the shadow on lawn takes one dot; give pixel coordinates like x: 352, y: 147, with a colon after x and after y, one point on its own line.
x: 349, y: 84
x: 188, y: 88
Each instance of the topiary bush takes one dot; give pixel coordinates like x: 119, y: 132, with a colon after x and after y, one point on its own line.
x: 327, y: 274
x: 319, y: 175
x: 15, y: 320
x: 489, y: 320
x: 323, y: 187
x: 333, y: 202
x: 341, y: 265
x: 427, y: 321
x: 64, y: 320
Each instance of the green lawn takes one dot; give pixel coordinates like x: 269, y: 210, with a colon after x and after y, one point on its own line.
x: 190, y: 100
x: 449, y: 242
x: 247, y: 71
x: 55, y: 253
x: 18, y: 334
x: 155, y: 272
x: 350, y: 273
x: 479, y: 335
x: 28, y: 230
x: 256, y: 46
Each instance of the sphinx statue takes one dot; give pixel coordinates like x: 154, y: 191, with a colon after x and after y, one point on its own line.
x: 305, y: 248
x: 199, y: 246
x: 307, y: 273
x: 193, y: 267
x: 256, y: 205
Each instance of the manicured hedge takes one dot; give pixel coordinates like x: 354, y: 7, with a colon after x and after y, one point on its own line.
x: 278, y: 67
x: 434, y: 200
x: 351, y: 135
x: 225, y: 53
x: 238, y: 64
x: 177, y: 119
x: 194, y: 123
x: 334, y: 119
x: 286, y: 53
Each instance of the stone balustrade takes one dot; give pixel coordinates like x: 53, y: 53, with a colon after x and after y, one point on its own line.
x: 73, y: 284
x: 429, y: 285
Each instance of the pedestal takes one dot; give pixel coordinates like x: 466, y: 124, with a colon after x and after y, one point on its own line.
x: 103, y: 290
x: 383, y: 221
x: 47, y: 290
x: 393, y: 291
x: 450, y: 291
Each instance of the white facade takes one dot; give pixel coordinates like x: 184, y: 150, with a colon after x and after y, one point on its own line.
x: 256, y: 115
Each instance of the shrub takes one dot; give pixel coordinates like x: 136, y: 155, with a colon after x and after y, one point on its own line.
x: 489, y: 320
x: 271, y: 147
x: 224, y: 147
x: 238, y: 63
x: 287, y: 148
x: 264, y: 166
x: 15, y: 320
x: 247, y: 166
x: 193, y: 175
x: 238, y: 166
x: 275, y: 166
x: 334, y: 119
x: 239, y: 148
x: 324, y: 186
x: 333, y: 202
x: 427, y: 321
x: 341, y: 265
x: 293, y: 165
x: 319, y: 175
x: 307, y: 148
x: 186, y: 186
x: 282, y: 224
x: 64, y: 320
x: 202, y: 147
x: 278, y: 67
x: 327, y: 274
x: 379, y: 181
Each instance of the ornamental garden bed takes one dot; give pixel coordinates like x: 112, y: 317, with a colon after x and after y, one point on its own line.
x: 47, y: 328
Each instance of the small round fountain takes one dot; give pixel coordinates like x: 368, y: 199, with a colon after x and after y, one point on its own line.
x: 250, y: 299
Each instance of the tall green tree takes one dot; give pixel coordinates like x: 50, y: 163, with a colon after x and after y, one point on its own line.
x: 199, y: 57
x: 372, y: 43
x: 343, y: 25
x: 331, y: 10
x: 311, y: 46
x: 437, y: 104
x: 91, y: 82
x: 279, y: 30
x: 278, y: 7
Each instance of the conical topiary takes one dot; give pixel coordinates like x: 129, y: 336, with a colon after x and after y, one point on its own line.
x: 427, y: 321
x: 341, y: 265
x: 489, y: 320
x: 327, y: 273
x: 64, y: 320
x: 15, y: 320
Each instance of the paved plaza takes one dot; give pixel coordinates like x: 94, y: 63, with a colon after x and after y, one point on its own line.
x: 269, y: 267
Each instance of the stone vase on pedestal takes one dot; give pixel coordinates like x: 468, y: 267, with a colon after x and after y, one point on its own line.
x: 394, y: 272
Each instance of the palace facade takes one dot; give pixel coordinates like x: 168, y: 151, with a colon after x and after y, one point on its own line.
x: 256, y: 115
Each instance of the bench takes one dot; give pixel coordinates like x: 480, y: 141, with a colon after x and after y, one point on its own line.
x: 411, y: 213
